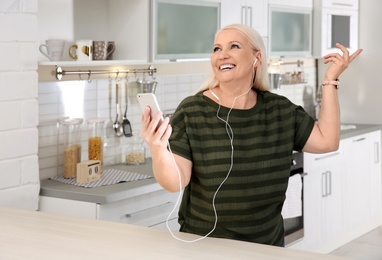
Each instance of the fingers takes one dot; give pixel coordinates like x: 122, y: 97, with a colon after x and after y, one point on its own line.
x: 155, y: 131
x: 345, y: 54
x: 148, y: 122
x: 355, y: 54
x: 339, y: 63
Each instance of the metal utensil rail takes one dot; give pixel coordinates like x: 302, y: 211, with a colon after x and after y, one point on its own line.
x: 60, y: 72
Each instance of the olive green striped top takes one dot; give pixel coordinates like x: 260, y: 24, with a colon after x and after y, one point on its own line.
x: 249, y: 202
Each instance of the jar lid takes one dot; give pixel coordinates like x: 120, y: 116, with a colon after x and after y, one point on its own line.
x: 72, y: 121
x: 96, y: 120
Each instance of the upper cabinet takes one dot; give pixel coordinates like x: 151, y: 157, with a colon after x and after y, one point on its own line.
x: 126, y: 22
x: 183, y: 29
x: 295, y: 28
x: 142, y: 30
x: 290, y: 28
x: 335, y: 21
x: 293, y: 3
x: 349, y: 4
x: 253, y: 13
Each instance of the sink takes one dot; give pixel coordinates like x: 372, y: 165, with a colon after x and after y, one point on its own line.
x: 347, y: 127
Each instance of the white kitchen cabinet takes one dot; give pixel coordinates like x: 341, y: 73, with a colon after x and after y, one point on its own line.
x: 335, y: 21
x: 146, y: 210
x: 362, y: 179
x: 342, y: 193
x: 253, y: 13
x: 348, y: 4
x: 356, y: 180
x: 375, y: 184
x: 150, y: 209
x: 126, y: 22
x: 293, y: 3
x: 290, y: 29
x: 322, y: 198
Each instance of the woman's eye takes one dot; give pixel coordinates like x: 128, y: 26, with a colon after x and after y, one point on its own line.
x: 235, y: 46
x: 216, y: 49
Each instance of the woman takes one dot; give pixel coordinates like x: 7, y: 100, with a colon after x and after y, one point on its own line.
x: 232, y: 142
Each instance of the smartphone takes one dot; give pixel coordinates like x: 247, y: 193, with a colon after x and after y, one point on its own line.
x: 148, y: 99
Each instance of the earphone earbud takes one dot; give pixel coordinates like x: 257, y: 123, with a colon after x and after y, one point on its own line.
x: 254, y: 63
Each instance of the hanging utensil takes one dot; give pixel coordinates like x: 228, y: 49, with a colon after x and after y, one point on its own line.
x: 126, y: 126
x: 109, y: 126
x: 117, y: 125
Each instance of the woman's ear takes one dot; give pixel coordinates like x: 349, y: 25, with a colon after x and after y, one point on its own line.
x: 258, y: 56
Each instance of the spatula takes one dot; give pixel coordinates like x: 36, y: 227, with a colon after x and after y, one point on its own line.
x: 127, y: 131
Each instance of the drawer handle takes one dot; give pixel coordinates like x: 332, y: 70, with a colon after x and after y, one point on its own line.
x: 359, y: 140
x: 326, y: 156
x: 131, y: 215
x: 343, y: 4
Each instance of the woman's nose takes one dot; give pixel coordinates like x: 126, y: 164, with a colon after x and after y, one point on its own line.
x: 223, y: 54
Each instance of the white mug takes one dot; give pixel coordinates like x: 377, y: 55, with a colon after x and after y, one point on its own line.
x: 53, y: 49
x: 83, y: 50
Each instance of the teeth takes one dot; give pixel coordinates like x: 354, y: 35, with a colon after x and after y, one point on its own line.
x: 226, y: 66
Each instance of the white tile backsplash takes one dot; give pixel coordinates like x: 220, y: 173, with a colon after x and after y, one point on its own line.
x: 98, y: 99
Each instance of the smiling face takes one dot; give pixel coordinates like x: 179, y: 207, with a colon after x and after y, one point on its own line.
x: 232, y: 58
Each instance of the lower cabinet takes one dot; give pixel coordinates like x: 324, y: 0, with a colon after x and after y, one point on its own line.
x: 322, y: 197
x: 150, y: 209
x: 375, y: 190
x: 342, y: 193
x: 362, y: 192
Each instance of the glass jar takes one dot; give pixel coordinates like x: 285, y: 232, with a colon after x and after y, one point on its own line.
x: 72, y: 146
x: 95, y: 139
x: 135, y: 151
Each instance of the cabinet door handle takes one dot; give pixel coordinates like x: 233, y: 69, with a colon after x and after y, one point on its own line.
x: 329, y: 181
x: 376, y: 152
x: 359, y: 140
x: 250, y: 15
x: 326, y: 156
x: 343, y: 4
x: 243, y: 15
x: 133, y: 214
x: 323, y: 185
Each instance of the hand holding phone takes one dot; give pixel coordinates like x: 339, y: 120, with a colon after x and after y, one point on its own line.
x: 149, y: 100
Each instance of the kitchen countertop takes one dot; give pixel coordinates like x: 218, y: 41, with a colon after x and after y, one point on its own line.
x: 350, y: 130
x: 120, y: 191
x: 40, y: 235
x: 104, y: 194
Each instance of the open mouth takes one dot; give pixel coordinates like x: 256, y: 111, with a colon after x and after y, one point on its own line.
x: 226, y: 66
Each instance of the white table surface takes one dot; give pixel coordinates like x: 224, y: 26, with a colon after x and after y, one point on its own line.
x: 41, y: 235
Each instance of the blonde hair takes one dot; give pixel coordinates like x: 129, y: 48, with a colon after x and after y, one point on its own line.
x: 261, y: 77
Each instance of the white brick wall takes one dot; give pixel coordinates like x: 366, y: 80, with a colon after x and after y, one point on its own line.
x: 19, y: 169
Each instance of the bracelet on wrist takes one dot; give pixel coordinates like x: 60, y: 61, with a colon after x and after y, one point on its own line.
x: 335, y: 83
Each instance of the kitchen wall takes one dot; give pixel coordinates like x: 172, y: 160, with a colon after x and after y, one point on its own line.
x: 360, y: 93
x: 19, y: 178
